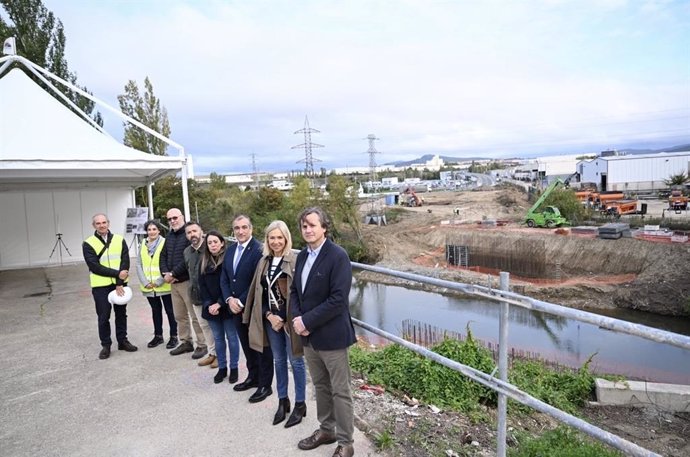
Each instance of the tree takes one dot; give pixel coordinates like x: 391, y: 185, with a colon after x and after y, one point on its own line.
x: 343, y: 206
x: 167, y: 193
x: 217, y: 182
x: 677, y: 180
x: 148, y: 110
x: 41, y: 39
x: 568, y: 204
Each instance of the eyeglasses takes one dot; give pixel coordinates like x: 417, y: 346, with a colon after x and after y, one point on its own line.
x: 174, y: 218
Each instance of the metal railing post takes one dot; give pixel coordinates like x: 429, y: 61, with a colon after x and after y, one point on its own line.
x: 501, y: 386
x: 503, y: 368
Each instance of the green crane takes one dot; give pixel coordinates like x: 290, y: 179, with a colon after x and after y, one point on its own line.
x: 550, y: 216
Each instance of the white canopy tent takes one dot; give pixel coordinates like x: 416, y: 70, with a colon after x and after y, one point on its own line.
x: 56, y: 171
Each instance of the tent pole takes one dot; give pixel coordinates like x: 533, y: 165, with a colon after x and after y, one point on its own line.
x: 185, y: 192
x: 32, y: 68
x: 4, y: 66
x: 100, y: 102
x: 149, y: 196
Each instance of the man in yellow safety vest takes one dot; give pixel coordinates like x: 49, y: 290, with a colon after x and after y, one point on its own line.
x: 107, y: 257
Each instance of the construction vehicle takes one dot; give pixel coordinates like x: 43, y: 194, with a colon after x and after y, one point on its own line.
x: 677, y: 201
x: 598, y: 200
x: 586, y: 197
x: 409, y: 197
x: 550, y: 216
x: 617, y: 208
x: 603, y: 198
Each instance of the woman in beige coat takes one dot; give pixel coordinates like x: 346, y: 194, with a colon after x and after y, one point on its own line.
x: 270, y: 319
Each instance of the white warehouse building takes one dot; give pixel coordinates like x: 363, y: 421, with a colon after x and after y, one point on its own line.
x: 634, y: 172
x: 548, y: 166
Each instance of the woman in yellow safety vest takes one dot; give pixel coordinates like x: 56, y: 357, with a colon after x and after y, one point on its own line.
x: 152, y: 285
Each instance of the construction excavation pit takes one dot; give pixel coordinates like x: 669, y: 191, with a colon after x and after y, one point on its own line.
x: 537, y: 260
x: 580, y: 271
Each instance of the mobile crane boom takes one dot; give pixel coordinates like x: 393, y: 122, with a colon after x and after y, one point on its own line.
x: 549, y: 216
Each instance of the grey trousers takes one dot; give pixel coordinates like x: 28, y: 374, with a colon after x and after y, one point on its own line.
x: 330, y: 373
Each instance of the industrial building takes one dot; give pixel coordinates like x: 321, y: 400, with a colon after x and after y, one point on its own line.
x: 643, y: 172
x: 546, y: 167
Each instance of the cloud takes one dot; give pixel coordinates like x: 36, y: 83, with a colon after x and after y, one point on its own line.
x: 425, y: 77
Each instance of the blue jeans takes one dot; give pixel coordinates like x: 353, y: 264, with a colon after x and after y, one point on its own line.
x: 223, y: 329
x: 282, y: 352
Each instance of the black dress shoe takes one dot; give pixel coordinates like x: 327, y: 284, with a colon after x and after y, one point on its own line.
x: 125, y: 345
x: 260, y: 395
x: 105, y: 353
x: 234, y: 373
x: 222, y: 373
x: 199, y: 352
x: 283, y: 409
x: 246, y: 385
x: 156, y: 341
x: 172, y: 343
x: 298, y: 413
x: 186, y: 346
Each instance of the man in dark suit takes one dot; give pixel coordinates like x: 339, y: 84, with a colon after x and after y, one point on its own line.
x: 239, y: 265
x: 319, y: 297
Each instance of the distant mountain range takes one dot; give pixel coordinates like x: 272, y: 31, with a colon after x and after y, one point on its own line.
x: 679, y: 148
x: 426, y: 157
x: 447, y: 159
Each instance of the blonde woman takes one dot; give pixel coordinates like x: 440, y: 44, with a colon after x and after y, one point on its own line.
x: 270, y: 319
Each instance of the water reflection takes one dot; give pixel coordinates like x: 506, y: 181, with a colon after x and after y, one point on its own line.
x: 551, y: 337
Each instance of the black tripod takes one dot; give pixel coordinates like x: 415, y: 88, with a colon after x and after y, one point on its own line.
x: 59, y: 244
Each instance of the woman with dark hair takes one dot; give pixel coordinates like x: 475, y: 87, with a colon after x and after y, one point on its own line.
x: 153, y: 286
x: 215, y: 310
x: 270, y: 319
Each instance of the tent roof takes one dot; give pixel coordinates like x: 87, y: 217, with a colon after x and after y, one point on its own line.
x: 43, y: 143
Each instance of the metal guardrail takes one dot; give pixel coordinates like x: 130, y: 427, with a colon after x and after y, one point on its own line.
x: 610, y: 323
x: 500, y: 384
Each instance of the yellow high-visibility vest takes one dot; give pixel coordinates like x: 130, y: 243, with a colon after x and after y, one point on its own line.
x: 151, y: 267
x: 110, y: 258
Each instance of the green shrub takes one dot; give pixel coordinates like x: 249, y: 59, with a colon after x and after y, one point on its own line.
x: 401, y: 369
x: 562, y: 442
x: 562, y: 389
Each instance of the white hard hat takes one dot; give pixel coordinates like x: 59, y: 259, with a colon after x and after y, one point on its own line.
x: 116, y: 299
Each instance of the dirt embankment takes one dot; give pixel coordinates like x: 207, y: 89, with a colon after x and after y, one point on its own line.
x: 574, y: 270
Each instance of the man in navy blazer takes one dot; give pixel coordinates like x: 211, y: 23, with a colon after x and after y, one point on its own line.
x: 319, y: 297
x: 239, y: 265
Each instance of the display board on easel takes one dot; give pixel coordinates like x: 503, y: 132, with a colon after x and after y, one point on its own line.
x: 136, y: 218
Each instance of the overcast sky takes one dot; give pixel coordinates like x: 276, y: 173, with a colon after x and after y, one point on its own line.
x: 494, y: 78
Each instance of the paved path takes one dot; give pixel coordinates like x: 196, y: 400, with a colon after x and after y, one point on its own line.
x: 58, y: 399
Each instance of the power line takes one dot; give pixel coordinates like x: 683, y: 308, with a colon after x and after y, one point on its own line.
x: 372, y: 157
x: 307, y: 146
x: 255, y: 171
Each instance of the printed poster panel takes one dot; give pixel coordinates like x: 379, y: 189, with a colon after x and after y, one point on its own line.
x: 136, y: 218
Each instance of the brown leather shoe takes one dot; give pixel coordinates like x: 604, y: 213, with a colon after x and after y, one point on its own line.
x: 316, y: 439
x: 344, y: 451
x: 208, y: 360
x: 214, y: 364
